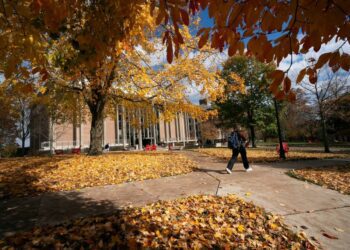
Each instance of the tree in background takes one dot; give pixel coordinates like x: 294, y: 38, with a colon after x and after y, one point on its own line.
x: 339, y: 117
x: 266, y: 122
x: 331, y: 83
x: 299, y: 119
x: 8, y: 120
x: 22, y: 90
x: 248, y: 106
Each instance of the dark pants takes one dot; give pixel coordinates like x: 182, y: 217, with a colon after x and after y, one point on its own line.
x: 235, y: 152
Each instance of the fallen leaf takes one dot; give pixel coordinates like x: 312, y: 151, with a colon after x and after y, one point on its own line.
x: 195, y: 222
x: 339, y: 229
x: 330, y: 236
x: 27, y: 176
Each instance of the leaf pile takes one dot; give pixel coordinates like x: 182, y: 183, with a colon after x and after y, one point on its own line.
x: 332, y: 177
x: 33, y: 175
x: 263, y: 155
x: 194, y: 222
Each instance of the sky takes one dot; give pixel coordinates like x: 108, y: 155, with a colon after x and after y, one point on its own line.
x: 299, y: 61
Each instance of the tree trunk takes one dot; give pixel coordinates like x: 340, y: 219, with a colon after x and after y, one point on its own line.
x: 23, y: 135
x: 23, y: 145
x: 252, y: 132
x: 96, y: 132
x: 282, y: 153
x: 51, y: 136
x: 324, y: 133
x: 251, y: 127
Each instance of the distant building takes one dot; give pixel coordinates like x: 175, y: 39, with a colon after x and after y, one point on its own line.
x: 209, y: 132
x: 117, y: 131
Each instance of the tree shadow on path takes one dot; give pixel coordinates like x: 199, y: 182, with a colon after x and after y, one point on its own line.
x: 22, y: 214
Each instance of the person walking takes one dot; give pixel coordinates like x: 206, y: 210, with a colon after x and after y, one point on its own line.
x: 238, y: 142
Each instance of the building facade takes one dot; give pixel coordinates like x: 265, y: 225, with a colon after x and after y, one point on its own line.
x: 118, y: 131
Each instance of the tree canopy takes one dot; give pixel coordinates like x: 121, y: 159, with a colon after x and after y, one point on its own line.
x: 270, y: 30
x: 250, y: 106
x: 95, y: 47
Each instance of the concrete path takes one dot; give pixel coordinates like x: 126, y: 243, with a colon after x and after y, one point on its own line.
x: 307, y: 207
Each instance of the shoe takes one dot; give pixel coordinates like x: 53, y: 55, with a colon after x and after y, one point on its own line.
x: 228, y: 171
x: 249, y: 169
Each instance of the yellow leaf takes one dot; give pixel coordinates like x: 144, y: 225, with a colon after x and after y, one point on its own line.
x: 240, y: 228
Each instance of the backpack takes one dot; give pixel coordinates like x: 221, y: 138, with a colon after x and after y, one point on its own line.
x: 233, y: 141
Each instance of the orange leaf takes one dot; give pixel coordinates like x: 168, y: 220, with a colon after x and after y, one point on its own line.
x: 169, y: 50
x: 334, y: 59
x: 313, y: 79
x: 203, y: 3
x: 345, y: 61
x: 291, y: 96
x: 280, y: 95
x: 204, y: 38
x: 184, y: 16
x: 301, y: 75
x: 324, y: 58
x: 277, y: 75
x: 286, y: 84
x: 274, y: 86
x: 160, y: 17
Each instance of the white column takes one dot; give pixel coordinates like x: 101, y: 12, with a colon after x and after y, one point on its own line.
x: 104, y: 133
x: 187, y: 127
x: 178, y: 126
x: 154, y: 134
x: 124, y: 126
x: 80, y: 124
x: 175, y: 122
x: 140, y: 131
x: 165, y: 132
x: 133, y: 133
x: 129, y: 129
x: 117, y: 121
x: 184, y: 124
x: 195, y: 129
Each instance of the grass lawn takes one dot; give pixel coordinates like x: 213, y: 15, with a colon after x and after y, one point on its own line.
x: 305, y: 144
x: 197, y: 222
x: 265, y: 155
x: 333, y: 177
x: 33, y: 175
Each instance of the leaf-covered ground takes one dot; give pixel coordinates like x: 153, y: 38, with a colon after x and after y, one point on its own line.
x: 333, y: 177
x: 33, y: 175
x: 263, y: 155
x: 195, y: 222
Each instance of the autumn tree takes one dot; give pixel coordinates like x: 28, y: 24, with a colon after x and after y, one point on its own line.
x: 8, y: 119
x: 299, y: 119
x: 329, y: 86
x: 126, y: 76
x: 93, y: 31
x: 22, y: 91
x: 209, y: 131
x: 339, y: 117
x: 61, y: 106
x: 271, y: 29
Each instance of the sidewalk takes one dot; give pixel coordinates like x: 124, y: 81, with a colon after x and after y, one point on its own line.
x: 306, y: 207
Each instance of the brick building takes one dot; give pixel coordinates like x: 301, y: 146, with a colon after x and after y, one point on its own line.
x: 117, y: 131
